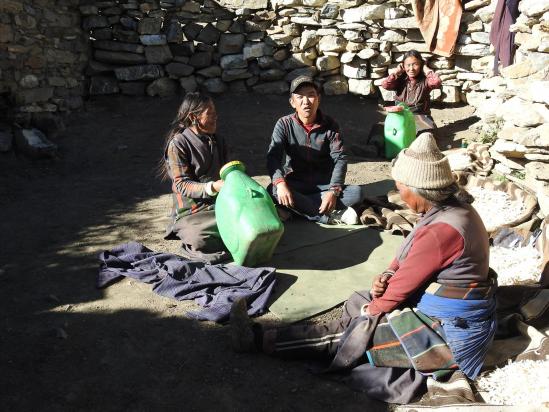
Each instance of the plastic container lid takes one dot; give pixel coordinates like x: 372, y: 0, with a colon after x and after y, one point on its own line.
x: 229, y: 167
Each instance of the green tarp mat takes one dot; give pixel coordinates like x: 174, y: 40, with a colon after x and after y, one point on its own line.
x: 319, y: 267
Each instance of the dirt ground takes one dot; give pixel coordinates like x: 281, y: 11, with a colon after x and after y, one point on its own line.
x: 64, y: 345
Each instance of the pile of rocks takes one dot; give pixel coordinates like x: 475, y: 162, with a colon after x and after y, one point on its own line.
x: 154, y: 46
x: 514, y: 107
x: 43, y: 53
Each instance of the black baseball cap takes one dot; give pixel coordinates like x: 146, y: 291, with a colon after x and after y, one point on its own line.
x: 301, y: 80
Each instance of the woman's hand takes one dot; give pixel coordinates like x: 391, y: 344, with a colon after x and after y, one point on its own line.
x: 426, y: 69
x: 284, y: 195
x: 397, y: 71
x: 217, y: 185
x: 329, y: 200
x: 379, y: 285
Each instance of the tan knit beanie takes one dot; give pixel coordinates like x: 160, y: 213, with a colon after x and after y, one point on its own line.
x: 423, y: 165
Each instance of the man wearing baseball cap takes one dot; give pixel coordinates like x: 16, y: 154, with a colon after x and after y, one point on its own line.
x: 307, y: 162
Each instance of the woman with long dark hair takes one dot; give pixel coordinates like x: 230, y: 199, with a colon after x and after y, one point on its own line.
x: 193, y: 156
x: 412, y: 81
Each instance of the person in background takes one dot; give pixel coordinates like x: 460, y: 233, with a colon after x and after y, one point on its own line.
x: 193, y: 157
x: 412, y: 82
x: 307, y: 163
x: 430, y: 313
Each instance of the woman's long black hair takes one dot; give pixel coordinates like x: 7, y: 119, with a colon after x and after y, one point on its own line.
x: 193, y: 103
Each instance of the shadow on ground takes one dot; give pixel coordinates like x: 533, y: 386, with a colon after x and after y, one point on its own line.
x: 65, y: 345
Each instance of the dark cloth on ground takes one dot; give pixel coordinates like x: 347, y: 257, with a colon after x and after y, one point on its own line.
x: 307, y: 198
x: 502, y: 39
x: 200, y: 237
x: 215, y: 287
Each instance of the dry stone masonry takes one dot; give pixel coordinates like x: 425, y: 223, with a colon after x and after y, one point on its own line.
x: 43, y: 54
x: 156, y: 47
x: 513, y: 106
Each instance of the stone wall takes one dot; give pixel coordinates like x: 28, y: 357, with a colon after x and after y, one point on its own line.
x: 514, y: 107
x: 155, y: 47
x: 43, y: 54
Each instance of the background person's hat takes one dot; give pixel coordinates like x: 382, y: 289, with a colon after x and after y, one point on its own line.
x: 423, y: 165
x: 301, y: 80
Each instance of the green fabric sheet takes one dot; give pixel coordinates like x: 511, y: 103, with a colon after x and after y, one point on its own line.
x: 319, y: 267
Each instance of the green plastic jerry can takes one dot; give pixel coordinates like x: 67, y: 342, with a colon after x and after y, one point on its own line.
x: 246, y: 217
x: 399, y: 130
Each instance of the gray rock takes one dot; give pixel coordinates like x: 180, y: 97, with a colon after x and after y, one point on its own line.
x: 184, y: 49
x: 188, y: 84
x: 272, y: 75
x: 223, y: 25
x: 356, y: 70
x: 6, y: 139
x: 118, y: 46
x: 212, y: 71
x: 393, y: 36
x: 404, y: 23
x: 329, y: 11
x: 305, y: 71
x: 129, y: 23
x: 119, y: 57
x: 481, y: 37
x: 332, y: 44
x: 101, y: 34
x: 149, y: 25
x: 201, y: 59
x: 209, y: 35
x: 537, y: 136
x: 326, y: 63
x: 103, y: 85
x: 179, y: 69
x: 533, y: 7
x: 133, y: 88
x: 153, y: 39
x: 278, y: 87
x: 235, y: 74
x: 238, y: 86
x: 192, y: 30
x: 473, y: 50
x: 335, y: 85
x: 94, y: 22
x: 241, y: 4
x: 364, y: 13
x: 362, y: 87
x: 268, y: 62
x: 163, y: 87
x: 309, y: 38
x: 29, y: 81
x: 158, y: 54
x: 128, y: 36
x: 215, y: 86
x: 233, y: 61
x: 34, y: 143
x: 174, y: 32
x: 145, y: 72
x: 231, y: 43
x: 38, y: 94
x: 254, y: 50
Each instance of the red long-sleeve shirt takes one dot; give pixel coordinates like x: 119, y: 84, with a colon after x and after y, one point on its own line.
x: 413, y: 92
x: 434, y: 247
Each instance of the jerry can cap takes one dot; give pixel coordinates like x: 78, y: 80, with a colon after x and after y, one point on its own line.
x: 229, y: 167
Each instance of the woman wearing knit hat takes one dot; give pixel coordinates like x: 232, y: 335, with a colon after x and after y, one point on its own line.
x: 430, y: 313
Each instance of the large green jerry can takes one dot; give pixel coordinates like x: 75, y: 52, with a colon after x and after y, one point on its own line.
x: 399, y: 130
x: 246, y: 217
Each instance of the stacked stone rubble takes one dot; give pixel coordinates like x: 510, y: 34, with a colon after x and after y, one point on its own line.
x: 515, y: 105
x: 43, y: 53
x: 348, y: 45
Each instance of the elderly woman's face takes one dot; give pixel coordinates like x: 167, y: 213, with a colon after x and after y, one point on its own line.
x: 412, y: 199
